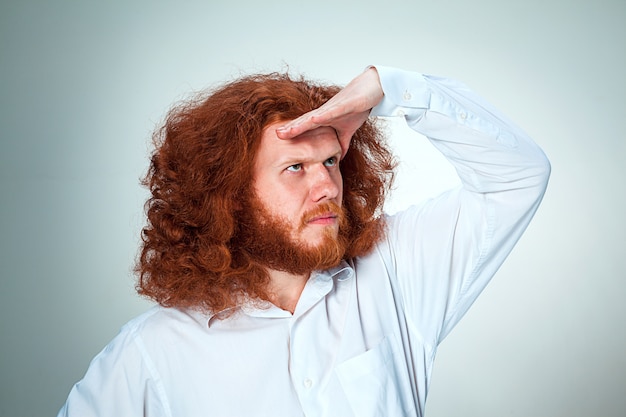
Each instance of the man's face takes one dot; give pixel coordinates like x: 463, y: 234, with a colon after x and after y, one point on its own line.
x: 296, y: 179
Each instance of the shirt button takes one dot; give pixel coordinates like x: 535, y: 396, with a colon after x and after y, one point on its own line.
x: 463, y: 116
x: 308, y: 383
x: 406, y: 96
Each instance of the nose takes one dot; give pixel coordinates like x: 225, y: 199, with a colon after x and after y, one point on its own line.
x: 324, y: 184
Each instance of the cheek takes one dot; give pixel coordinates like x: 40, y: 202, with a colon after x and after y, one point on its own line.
x: 339, y: 182
x: 282, y: 203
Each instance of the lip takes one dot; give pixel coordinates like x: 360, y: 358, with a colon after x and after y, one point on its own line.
x: 328, y: 218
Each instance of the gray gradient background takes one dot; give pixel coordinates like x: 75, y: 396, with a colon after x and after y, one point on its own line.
x: 83, y: 84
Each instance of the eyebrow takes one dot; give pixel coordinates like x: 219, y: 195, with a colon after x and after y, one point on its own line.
x: 289, y: 160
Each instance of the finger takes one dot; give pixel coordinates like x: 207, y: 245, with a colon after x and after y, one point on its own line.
x: 344, y: 142
x: 296, y: 127
x: 308, y: 121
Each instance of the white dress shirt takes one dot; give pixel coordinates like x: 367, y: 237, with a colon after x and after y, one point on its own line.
x: 363, y: 337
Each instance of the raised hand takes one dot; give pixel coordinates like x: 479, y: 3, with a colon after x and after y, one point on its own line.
x: 345, y: 112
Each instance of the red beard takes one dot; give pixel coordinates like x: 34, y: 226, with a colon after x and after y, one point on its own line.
x: 267, y: 240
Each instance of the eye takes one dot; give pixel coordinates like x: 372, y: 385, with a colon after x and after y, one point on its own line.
x: 331, y: 162
x: 294, y: 168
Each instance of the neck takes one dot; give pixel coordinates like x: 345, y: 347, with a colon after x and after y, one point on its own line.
x: 285, y: 289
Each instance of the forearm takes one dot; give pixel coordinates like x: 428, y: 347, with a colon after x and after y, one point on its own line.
x: 488, y: 151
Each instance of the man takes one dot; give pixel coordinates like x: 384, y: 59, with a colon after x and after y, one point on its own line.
x: 283, y: 290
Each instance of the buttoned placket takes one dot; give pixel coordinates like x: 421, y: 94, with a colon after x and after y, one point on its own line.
x: 315, y: 331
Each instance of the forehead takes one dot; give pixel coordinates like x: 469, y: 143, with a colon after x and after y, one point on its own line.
x: 320, y: 143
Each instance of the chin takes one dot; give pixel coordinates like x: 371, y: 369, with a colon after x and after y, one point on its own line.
x: 319, y: 238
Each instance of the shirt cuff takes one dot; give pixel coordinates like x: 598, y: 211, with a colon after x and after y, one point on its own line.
x: 407, y: 94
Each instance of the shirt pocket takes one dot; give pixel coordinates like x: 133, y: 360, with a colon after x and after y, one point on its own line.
x: 373, y: 384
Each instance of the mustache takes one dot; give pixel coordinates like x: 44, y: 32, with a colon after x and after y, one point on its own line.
x: 322, y: 210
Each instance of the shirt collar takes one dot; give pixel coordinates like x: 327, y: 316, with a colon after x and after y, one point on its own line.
x: 341, y: 272
x: 260, y: 308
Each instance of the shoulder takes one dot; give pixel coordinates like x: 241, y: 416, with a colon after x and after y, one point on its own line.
x: 156, y: 329
x: 148, y: 338
x: 163, y: 323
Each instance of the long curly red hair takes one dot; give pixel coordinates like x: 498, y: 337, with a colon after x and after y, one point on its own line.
x: 201, y: 171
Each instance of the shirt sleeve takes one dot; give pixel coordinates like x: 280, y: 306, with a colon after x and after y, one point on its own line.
x: 120, y: 381
x: 445, y: 251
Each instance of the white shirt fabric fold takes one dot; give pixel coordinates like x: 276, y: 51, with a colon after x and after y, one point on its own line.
x: 363, y: 337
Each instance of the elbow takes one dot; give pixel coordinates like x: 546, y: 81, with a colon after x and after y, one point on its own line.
x: 539, y: 175
x: 544, y: 169
x: 532, y: 174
